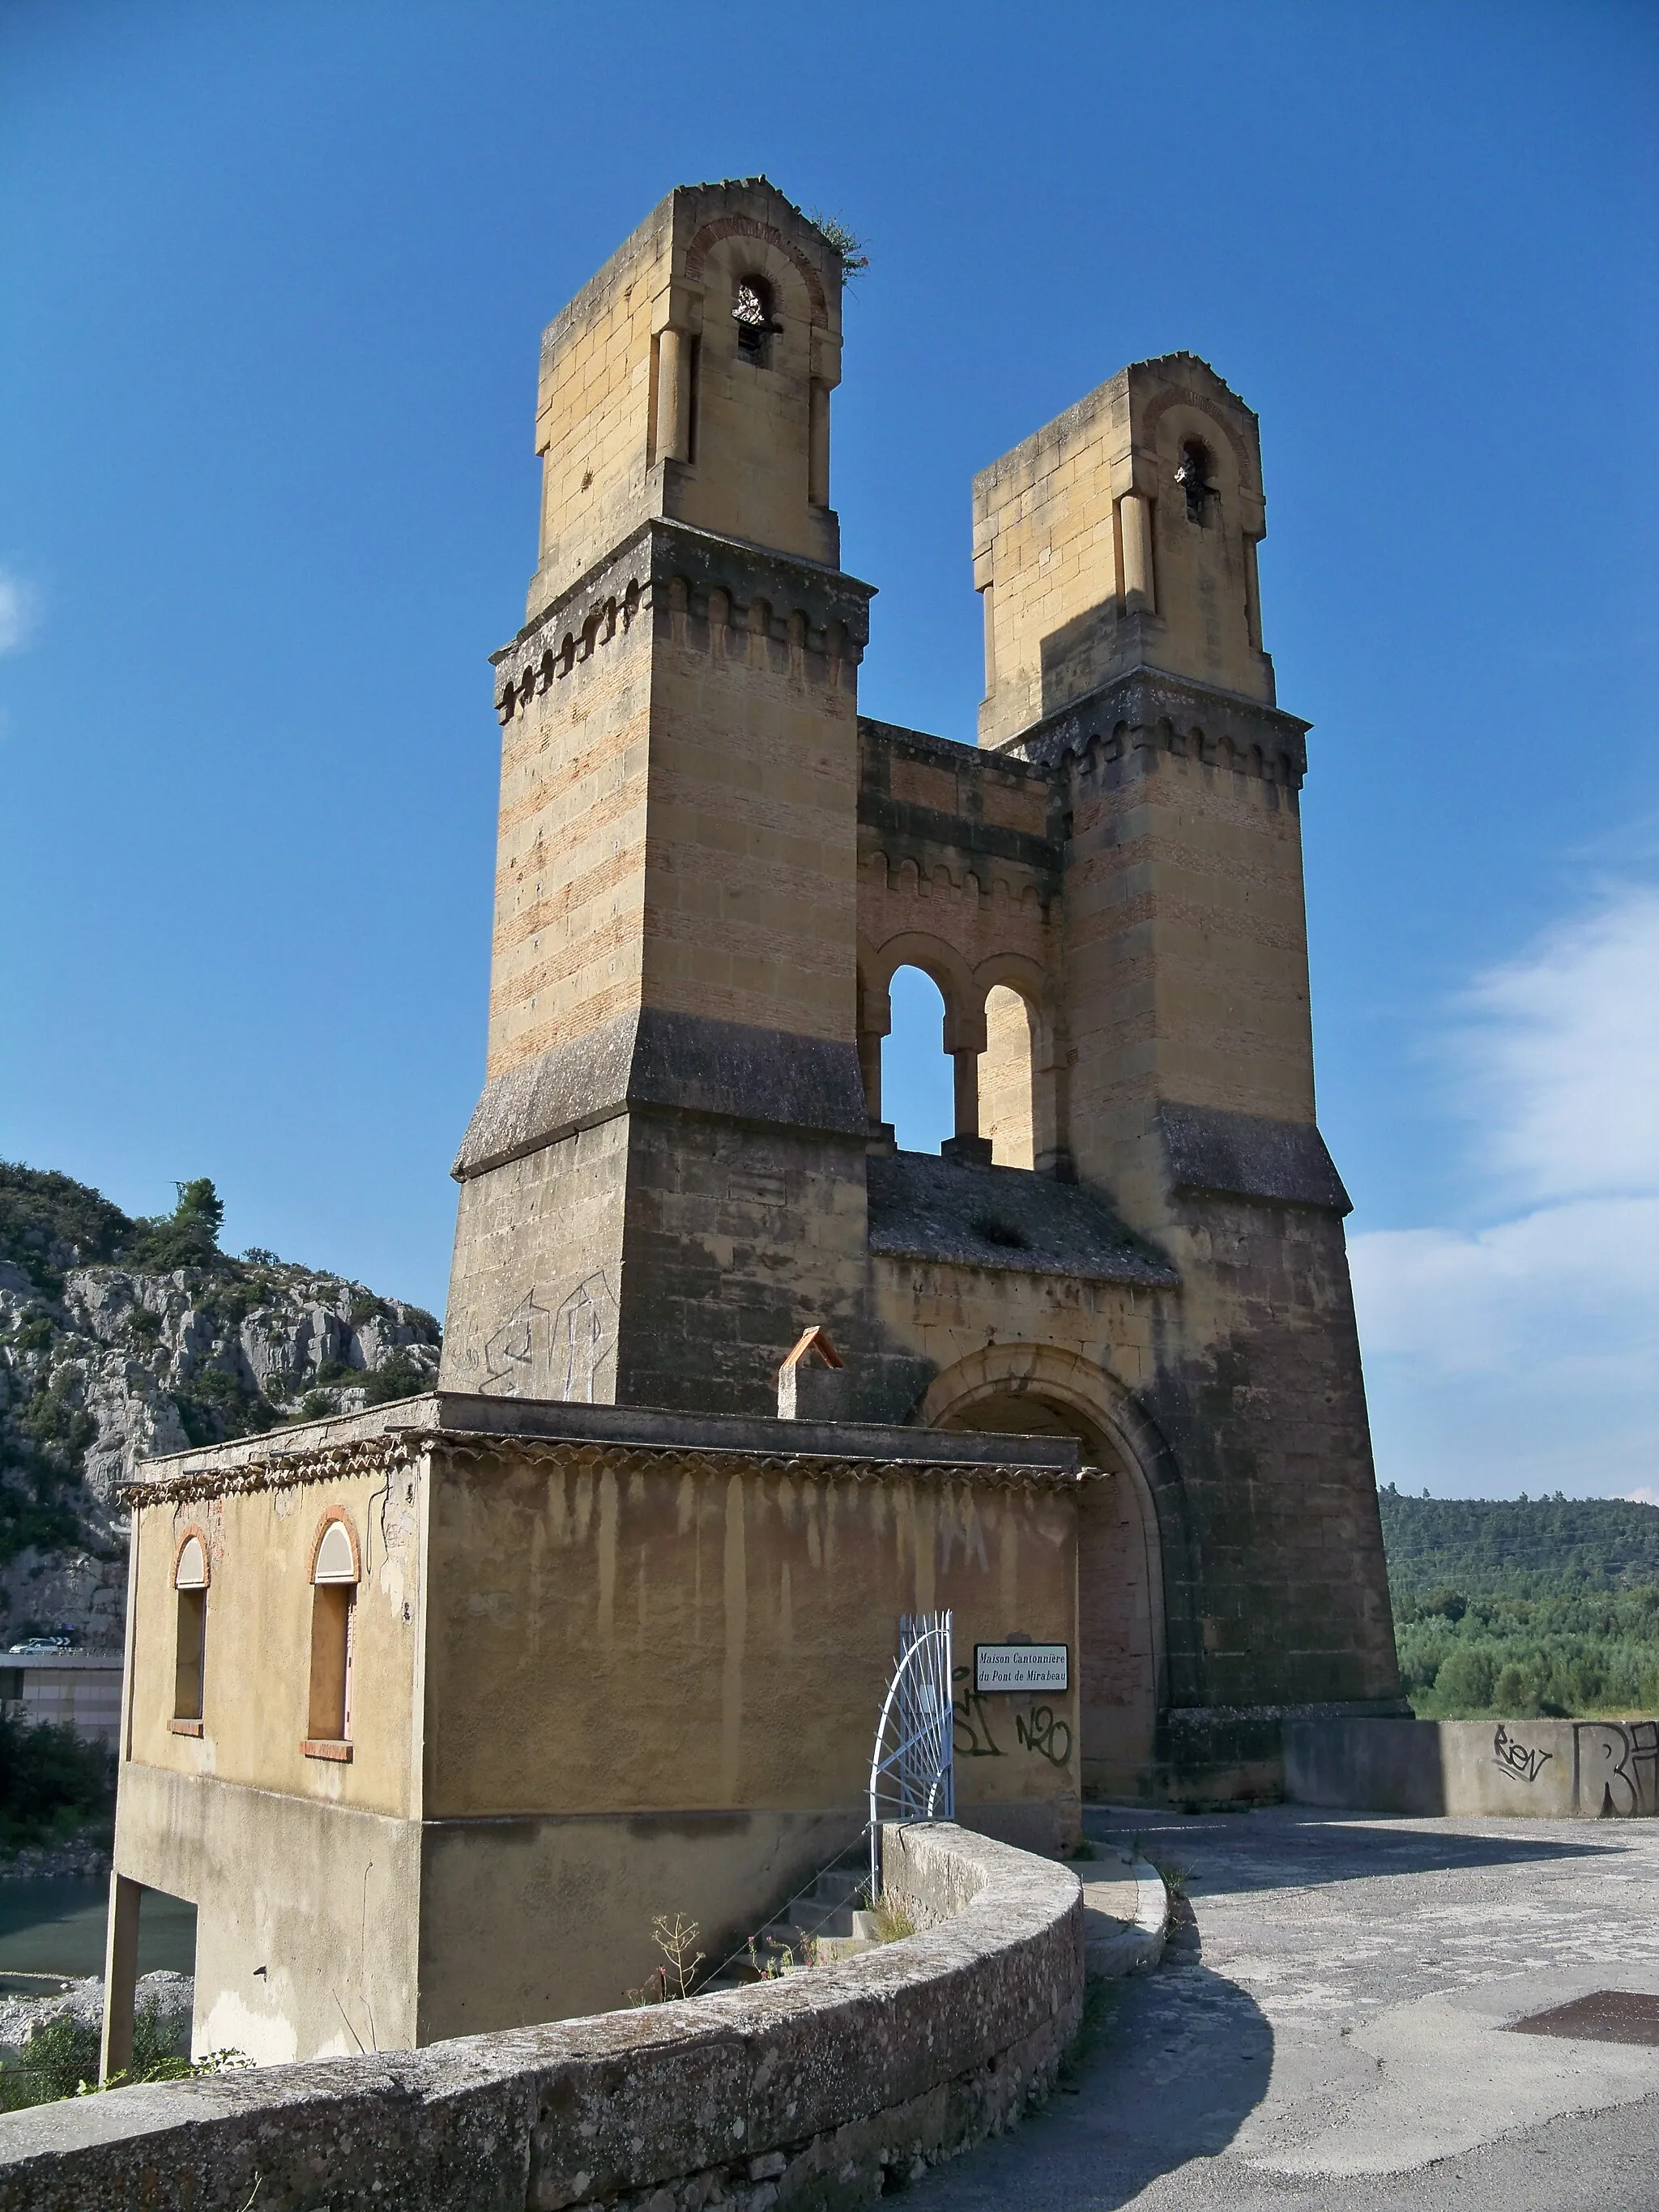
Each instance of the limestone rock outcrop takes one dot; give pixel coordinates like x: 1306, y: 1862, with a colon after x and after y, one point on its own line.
x: 104, y: 1361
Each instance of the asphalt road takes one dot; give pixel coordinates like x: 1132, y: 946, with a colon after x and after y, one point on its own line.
x: 1329, y: 2028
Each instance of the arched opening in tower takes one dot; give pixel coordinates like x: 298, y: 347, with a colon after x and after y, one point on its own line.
x: 916, y: 1078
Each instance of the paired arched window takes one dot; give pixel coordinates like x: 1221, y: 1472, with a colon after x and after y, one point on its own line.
x: 190, y: 1583
x: 334, y: 1578
x: 1007, y: 1080
x: 949, y: 1084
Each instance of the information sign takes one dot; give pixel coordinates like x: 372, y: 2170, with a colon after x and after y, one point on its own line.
x: 1019, y: 1666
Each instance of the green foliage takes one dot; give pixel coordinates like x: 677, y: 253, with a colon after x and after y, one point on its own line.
x: 1543, y: 1605
x: 399, y: 1378
x: 215, y: 1405
x: 845, y: 241
x: 36, y: 1332
x: 60, y: 2058
x: 187, y: 1237
x: 49, y: 1222
x: 52, y: 1780
x: 1520, y: 1547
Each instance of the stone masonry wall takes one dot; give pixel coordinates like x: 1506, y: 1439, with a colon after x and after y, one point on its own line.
x: 821, y: 2090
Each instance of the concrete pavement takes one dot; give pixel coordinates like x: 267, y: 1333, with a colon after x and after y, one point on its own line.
x: 1329, y: 2027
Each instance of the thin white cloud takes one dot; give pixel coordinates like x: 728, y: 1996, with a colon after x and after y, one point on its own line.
x: 1563, y: 1060
x: 20, y: 611
x: 1524, y: 1353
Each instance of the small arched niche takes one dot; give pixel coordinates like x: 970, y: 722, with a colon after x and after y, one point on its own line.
x: 754, y: 313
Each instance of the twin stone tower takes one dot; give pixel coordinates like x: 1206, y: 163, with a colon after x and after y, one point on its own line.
x: 431, y: 1707
x: 710, y: 866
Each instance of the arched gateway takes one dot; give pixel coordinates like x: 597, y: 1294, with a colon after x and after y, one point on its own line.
x: 1019, y: 1389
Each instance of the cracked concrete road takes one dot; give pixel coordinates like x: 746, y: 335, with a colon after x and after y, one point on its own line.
x: 1329, y: 2028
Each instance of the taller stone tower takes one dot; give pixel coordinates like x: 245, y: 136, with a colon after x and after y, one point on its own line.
x: 665, y: 1170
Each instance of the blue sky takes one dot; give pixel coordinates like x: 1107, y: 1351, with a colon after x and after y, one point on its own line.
x: 270, y: 284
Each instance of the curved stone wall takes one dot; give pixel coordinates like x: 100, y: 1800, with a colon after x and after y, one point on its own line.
x: 821, y: 2089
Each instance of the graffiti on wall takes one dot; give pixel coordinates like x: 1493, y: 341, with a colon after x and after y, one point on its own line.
x: 554, y: 1352
x: 1044, y: 1733
x: 1516, y: 1758
x: 1040, y: 1730
x: 1614, y: 1770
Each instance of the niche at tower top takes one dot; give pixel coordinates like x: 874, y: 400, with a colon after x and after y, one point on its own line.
x: 753, y: 403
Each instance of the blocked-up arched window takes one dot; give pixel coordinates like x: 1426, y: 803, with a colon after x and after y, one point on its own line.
x: 1006, y: 1083
x: 190, y: 1582
x: 334, y: 1577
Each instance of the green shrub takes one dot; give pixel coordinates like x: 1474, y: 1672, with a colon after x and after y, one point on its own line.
x: 60, y: 2058
x: 50, y: 1778
x: 399, y: 1378
x: 187, y: 1237
x: 1465, y: 1680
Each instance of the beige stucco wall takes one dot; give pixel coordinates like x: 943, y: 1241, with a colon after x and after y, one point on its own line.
x: 649, y: 1682
x: 257, y: 1677
x: 307, y: 1911
x: 690, y: 1632
x: 548, y: 1919
x: 692, y: 1655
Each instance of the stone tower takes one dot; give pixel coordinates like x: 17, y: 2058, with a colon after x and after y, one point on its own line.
x: 710, y: 867
x: 665, y: 1170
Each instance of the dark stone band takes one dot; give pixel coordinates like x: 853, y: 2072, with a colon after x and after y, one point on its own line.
x: 1248, y: 1156
x: 688, y: 1061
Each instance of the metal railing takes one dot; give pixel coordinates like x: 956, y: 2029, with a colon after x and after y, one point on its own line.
x: 912, y: 1775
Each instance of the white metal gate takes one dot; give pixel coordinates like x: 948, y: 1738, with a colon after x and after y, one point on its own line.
x: 912, y: 1777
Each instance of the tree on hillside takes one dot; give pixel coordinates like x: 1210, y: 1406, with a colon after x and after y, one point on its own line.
x: 187, y: 1237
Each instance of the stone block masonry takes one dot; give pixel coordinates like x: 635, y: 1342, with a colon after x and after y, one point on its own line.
x: 825, y: 2089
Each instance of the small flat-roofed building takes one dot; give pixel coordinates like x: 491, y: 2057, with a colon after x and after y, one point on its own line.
x: 80, y: 1690
x: 431, y: 1710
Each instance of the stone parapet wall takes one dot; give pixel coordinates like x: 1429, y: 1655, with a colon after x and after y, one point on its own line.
x: 1555, y: 1769
x: 821, y: 2089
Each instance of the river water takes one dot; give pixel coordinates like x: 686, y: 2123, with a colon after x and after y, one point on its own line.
x: 57, y: 1927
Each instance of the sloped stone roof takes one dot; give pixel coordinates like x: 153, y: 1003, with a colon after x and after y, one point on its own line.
x: 922, y: 1207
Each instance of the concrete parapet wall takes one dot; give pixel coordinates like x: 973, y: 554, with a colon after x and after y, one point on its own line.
x: 1544, y: 1769
x: 819, y: 2090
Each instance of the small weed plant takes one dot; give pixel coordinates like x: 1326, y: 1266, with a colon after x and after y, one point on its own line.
x: 675, y: 1976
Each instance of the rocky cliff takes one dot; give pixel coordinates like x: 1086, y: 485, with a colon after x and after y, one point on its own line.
x: 122, y: 1338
